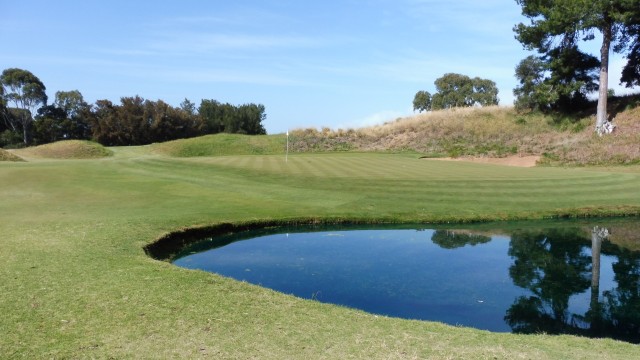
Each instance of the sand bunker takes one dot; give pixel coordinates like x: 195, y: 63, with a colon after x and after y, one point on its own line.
x: 520, y: 161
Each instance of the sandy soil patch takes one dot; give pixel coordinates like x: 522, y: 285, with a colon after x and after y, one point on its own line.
x: 520, y: 161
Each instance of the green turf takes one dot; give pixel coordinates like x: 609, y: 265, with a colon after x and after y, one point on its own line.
x: 66, y: 149
x: 223, y: 144
x: 76, y: 282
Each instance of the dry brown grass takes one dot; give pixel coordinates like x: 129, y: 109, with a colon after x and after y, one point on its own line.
x: 8, y: 156
x: 487, y: 132
x: 620, y: 147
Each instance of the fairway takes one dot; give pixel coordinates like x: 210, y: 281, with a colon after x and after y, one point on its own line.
x: 77, y: 283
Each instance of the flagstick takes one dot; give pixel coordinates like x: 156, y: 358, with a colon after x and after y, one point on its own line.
x: 286, y: 157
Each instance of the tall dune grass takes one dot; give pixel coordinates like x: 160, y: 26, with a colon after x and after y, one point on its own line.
x: 7, y: 156
x: 490, y: 131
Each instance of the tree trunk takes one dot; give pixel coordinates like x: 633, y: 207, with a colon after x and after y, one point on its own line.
x: 26, y: 123
x: 597, y: 235
x: 595, y: 317
x: 601, y: 116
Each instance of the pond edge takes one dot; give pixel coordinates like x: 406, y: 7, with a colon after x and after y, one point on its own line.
x: 167, y: 246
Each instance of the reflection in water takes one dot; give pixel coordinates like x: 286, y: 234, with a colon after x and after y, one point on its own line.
x: 557, y: 280
x: 450, y: 239
x: 553, y: 265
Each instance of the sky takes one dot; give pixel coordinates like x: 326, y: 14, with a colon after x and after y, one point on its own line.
x: 333, y: 63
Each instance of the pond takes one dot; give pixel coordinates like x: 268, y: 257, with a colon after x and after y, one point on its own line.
x: 576, y: 278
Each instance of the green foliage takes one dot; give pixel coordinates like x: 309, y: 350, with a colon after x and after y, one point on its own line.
x: 629, y: 42
x: 10, y: 139
x: 559, y: 81
x: 137, y: 121
x: 227, y: 118
x: 53, y: 123
x: 422, y: 101
x: 25, y: 91
x: 188, y: 107
x: 555, y: 30
x: 72, y: 102
x: 456, y: 90
x: 134, y: 121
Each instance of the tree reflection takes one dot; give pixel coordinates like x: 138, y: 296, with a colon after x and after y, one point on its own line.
x: 554, y: 266
x: 622, y: 304
x: 451, y: 239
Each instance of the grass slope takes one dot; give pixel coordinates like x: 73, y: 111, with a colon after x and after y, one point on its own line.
x: 67, y: 149
x: 493, y: 132
x: 223, y: 144
x: 76, y: 282
x: 7, y: 156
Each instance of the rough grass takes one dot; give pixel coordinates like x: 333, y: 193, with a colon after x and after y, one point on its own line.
x: 67, y: 149
x: 491, y: 132
x: 8, y: 156
x: 223, y: 144
x: 586, y: 148
x: 76, y: 282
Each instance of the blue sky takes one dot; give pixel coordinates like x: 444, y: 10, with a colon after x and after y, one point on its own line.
x: 329, y: 63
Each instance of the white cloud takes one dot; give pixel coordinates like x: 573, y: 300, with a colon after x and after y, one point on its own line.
x: 377, y: 118
x: 185, y: 42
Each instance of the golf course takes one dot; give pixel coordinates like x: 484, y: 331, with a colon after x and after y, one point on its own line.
x: 77, y: 283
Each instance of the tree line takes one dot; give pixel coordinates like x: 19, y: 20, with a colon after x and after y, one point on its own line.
x: 457, y: 90
x: 26, y: 117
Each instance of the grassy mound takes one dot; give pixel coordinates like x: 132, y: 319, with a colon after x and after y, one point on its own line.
x: 492, y: 132
x: 7, y: 156
x: 68, y: 149
x: 223, y: 144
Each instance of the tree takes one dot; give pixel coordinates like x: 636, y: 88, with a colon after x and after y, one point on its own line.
x: 558, y: 82
x: 71, y: 102
x: 248, y: 119
x: 534, y: 92
x: 76, y: 109
x: 485, y: 92
x: 558, y: 25
x: 137, y: 121
x: 188, y: 107
x: 26, y: 92
x: 212, y: 113
x: 169, y: 123
x: 422, y: 101
x: 244, y: 119
x: 456, y: 90
x: 103, y: 118
x: 630, y: 43
x: 51, y: 124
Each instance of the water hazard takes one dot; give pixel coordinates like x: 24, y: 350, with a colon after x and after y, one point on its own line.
x: 563, y: 278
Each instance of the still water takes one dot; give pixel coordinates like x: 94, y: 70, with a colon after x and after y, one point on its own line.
x: 569, y: 279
